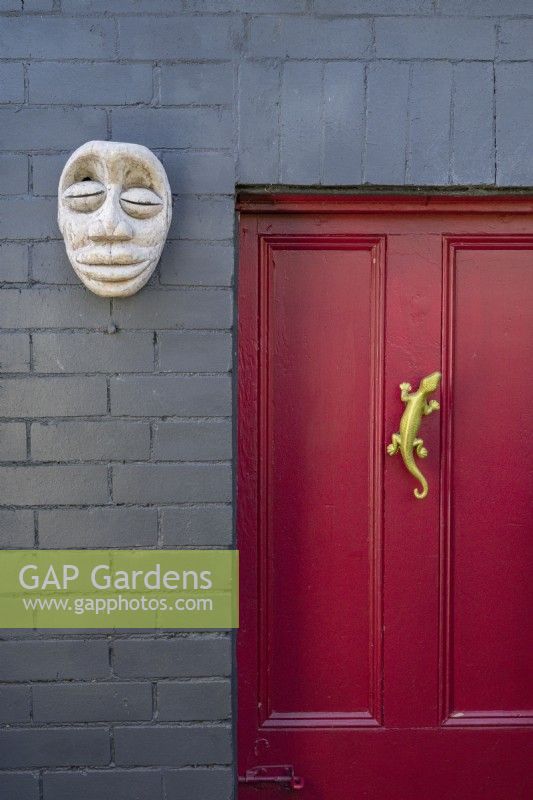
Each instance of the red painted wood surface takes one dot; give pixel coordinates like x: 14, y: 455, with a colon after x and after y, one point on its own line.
x: 386, y: 643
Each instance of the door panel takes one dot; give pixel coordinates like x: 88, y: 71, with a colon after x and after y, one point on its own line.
x: 488, y: 530
x: 385, y: 642
x: 317, y: 534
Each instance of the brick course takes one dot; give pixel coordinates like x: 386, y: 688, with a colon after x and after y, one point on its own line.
x: 92, y: 702
x: 115, y: 784
x: 56, y: 659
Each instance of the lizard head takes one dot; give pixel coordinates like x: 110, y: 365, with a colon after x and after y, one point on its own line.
x: 431, y: 382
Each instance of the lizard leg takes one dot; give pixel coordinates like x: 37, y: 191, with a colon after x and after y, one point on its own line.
x: 394, y: 445
x: 433, y: 405
x: 421, y: 451
x: 405, y: 388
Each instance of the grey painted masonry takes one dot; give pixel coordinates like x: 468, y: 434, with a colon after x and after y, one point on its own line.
x: 116, y: 417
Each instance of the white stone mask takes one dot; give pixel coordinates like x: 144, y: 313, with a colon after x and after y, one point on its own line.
x: 114, y: 212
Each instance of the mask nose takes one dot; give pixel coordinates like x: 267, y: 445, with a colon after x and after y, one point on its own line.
x: 110, y: 226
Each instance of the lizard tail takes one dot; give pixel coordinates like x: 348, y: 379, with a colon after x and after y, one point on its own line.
x: 421, y: 493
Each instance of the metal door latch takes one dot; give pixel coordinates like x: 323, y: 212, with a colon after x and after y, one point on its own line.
x: 282, y: 775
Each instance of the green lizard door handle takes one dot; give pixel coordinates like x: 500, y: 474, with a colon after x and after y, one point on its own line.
x: 407, y: 441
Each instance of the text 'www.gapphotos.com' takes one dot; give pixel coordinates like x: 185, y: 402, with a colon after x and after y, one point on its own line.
x: 118, y: 603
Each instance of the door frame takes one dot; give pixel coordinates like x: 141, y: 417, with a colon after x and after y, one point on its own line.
x: 338, y: 201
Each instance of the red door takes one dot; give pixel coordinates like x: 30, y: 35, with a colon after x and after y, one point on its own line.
x: 385, y: 648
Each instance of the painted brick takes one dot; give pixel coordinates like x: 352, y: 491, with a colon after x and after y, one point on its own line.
x: 201, y: 656
x: 93, y: 352
x: 52, y: 397
x: 487, y: 8
x: 514, y: 124
x: 16, y: 528
x: 19, y: 785
x: 48, y: 37
x: 516, y: 39
x: 54, y: 747
x: 219, y: 6
x: 14, y: 352
x: 193, y: 351
x: 113, y: 784
x: 12, y: 441
x: 199, y: 526
x: 426, y: 37
x: 68, y: 441
x: 46, y: 171
x: 429, y: 130
x: 192, y: 440
x: 473, y: 98
x: 54, y: 485
x: 37, y: 6
x: 118, y: 6
x: 172, y: 746
x: 307, y: 37
x: 202, y: 218
x: 27, y: 218
x: 209, y: 784
x: 190, y: 37
x: 209, y: 84
x: 399, y: 7
x: 258, y: 110
x: 41, y: 128
x: 52, y: 308
x: 171, y: 483
x: 97, y: 527
x: 197, y: 263
x: 51, y: 265
x: 344, y: 114
x: 260, y: 6
x: 92, y: 702
x: 386, y: 134
x: 301, y: 137
x: 54, y: 660
x: 171, y: 395
x: 14, y: 704
x: 182, y: 308
x: 13, y: 262
x: 90, y: 84
x: 14, y: 170
x: 252, y: 6
x: 11, y: 83
x: 200, y: 173
x: 172, y: 127
x: 193, y: 701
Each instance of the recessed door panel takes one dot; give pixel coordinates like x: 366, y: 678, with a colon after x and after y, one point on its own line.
x: 490, y: 546
x: 321, y: 368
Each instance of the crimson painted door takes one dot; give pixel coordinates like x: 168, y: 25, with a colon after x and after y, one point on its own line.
x: 385, y: 648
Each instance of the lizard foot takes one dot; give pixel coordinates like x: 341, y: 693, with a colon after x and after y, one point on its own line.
x: 394, y: 446
x: 433, y: 405
x: 421, y: 451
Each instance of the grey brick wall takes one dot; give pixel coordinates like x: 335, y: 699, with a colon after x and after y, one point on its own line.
x: 116, y: 417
